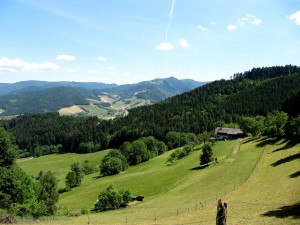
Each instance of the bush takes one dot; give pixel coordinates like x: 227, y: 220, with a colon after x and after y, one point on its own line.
x: 88, y: 168
x: 74, y: 177
x: 111, y: 166
x: 112, y: 198
x: 113, y: 162
x: 180, y: 153
x: 139, y: 153
x: 70, y: 180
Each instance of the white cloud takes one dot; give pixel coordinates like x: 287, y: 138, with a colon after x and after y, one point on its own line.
x: 231, y: 27
x: 256, y: 21
x: 15, y: 65
x: 65, y: 57
x: 164, y: 46
x: 295, y: 17
x: 249, y: 19
x: 183, y: 43
x: 102, y: 59
x: 202, y: 28
x: 243, y: 21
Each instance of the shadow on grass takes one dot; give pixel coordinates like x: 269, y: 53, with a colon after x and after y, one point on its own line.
x: 251, y: 139
x: 285, y: 211
x: 98, y: 176
x: 285, y: 160
x: 267, y: 141
x: 200, y: 167
x: 289, y: 144
x: 294, y: 175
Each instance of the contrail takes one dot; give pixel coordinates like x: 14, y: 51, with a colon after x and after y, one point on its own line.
x: 170, y: 19
x: 172, y: 8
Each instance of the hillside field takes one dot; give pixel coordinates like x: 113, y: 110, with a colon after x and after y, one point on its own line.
x: 258, y: 178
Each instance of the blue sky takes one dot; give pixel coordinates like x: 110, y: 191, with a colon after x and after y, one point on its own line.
x: 128, y: 41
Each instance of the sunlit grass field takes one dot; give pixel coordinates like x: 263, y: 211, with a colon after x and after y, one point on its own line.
x: 256, y: 177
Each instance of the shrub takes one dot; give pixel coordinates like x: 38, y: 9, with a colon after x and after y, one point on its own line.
x: 88, y: 168
x: 112, y: 198
x: 111, y: 166
x: 113, y: 162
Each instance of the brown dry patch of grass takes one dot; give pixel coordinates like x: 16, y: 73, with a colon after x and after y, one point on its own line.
x: 70, y: 110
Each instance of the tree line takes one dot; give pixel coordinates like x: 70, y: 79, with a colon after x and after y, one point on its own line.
x: 253, y: 93
x: 21, y: 194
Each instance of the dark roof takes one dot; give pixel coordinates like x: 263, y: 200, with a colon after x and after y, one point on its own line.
x: 230, y: 131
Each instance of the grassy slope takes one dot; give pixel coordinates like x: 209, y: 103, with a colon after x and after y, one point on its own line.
x: 178, y: 188
x: 59, y: 164
x: 269, y: 196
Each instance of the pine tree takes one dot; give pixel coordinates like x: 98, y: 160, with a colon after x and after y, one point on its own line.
x: 206, y: 155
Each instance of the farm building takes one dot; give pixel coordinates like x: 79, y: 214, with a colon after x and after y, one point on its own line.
x: 223, y: 133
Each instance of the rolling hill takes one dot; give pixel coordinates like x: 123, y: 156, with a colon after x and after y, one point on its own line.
x: 202, y: 109
x: 257, y: 177
x: 98, y: 99
x: 28, y: 86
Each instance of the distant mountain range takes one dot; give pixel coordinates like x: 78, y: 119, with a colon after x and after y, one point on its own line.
x: 31, y: 85
x: 91, y: 98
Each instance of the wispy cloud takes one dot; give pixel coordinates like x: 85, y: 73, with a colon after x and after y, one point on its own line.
x: 65, y: 57
x: 202, y: 28
x: 184, y: 43
x: 164, y: 46
x: 243, y: 21
x: 172, y: 8
x: 249, y: 19
x: 231, y: 27
x: 295, y: 17
x: 170, y: 19
x: 102, y: 59
x: 15, y: 65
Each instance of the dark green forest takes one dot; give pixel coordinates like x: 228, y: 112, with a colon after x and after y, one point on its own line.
x: 249, y: 94
x: 41, y: 97
x: 42, y: 101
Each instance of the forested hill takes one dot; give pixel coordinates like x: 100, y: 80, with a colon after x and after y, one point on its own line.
x: 31, y: 85
x: 40, y: 96
x: 154, y: 90
x: 216, y: 103
x: 39, y: 101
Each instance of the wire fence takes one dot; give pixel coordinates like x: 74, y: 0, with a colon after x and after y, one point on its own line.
x: 162, y: 214
x: 155, y: 214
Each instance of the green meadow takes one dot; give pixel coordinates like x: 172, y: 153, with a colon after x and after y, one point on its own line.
x: 258, y: 178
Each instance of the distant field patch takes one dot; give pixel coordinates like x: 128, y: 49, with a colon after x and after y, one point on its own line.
x: 70, y: 110
x: 94, y: 110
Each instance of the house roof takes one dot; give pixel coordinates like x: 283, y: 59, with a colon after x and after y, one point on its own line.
x: 230, y: 131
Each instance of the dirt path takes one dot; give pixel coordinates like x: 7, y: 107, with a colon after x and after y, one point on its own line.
x: 237, y: 147
x: 235, y: 150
